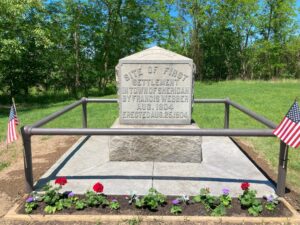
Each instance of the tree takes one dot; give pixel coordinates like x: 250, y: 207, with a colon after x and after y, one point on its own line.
x: 22, y: 42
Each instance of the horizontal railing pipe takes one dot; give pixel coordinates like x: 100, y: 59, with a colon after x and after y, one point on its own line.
x: 155, y: 132
x: 103, y: 100
x: 255, y: 116
x: 209, y: 100
x: 58, y: 113
x: 114, y: 100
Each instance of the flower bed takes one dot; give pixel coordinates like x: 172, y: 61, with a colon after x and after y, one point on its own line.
x: 154, y: 203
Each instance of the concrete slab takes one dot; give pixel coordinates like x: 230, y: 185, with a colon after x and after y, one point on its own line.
x: 224, y: 165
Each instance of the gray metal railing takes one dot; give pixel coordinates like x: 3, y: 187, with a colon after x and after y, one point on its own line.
x: 35, y: 129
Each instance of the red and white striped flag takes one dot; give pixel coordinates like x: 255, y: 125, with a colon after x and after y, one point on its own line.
x: 289, y: 128
x: 11, y: 127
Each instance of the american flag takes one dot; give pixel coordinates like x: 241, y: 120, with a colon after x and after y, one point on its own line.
x: 289, y: 128
x: 11, y: 127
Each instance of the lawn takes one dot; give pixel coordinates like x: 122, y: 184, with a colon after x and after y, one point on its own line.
x: 271, y: 99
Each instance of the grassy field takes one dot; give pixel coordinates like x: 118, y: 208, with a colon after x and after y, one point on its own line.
x: 271, y: 99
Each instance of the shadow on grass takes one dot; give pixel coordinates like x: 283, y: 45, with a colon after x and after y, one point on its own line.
x: 46, y: 98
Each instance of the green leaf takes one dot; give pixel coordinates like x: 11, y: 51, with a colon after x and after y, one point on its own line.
x: 176, y: 209
x: 50, y: 209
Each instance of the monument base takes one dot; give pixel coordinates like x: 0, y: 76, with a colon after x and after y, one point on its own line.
x: 155, y: 148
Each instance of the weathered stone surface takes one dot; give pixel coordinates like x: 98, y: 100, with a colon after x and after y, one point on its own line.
x: 155, y: 86
x: 155, y: 148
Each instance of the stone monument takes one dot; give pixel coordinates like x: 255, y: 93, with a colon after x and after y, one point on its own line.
x: 155, y: 90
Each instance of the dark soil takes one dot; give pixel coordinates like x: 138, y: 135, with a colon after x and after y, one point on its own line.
x: 195, y: 209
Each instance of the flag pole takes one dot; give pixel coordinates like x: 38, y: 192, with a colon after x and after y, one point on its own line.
x: 285, y: 156
x: 15, y: 108
x: 13, y: 101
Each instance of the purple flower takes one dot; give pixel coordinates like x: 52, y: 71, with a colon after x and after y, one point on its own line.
x: 270, y: 198
x: 176, y: 202
x: 114, y: 200
x: 225, y: 191
x: 71, y: 194
x: 30, y: 199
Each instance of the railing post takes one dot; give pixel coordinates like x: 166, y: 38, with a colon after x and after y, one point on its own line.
x: 282, y: 169
x: 84, y: 113
x: 226, y: 115
x: 26, y: 136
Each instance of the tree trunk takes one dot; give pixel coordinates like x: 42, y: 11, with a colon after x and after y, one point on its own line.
x: 77, y: 66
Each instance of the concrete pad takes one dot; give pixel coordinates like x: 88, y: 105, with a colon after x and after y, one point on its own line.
x: 223, y: 166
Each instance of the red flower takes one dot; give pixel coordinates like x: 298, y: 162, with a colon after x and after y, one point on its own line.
x: 245, y: 186
x: 98, y: 187
x: 61, y: 181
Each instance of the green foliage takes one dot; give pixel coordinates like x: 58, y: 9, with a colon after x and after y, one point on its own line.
x: 80, y: 205
x: 256, y: 208
x: 59, y: 205
x: 3, y: 165
x: 66, y: 44
x: 51, y: 196
x: 176, y: 209
x: 220, y: 210
x: 214, y: 204
x: 94, y: 199
x: 271, y: 206
x: 209, y: 201
x: 66, y: 203
x: 225, y: 200
x: 114, y: 205
x: 75, y: 46
x: 248, y: 200
x: 202, y: 196
x: 271, y: 203
x: 139, y: 203
x: 152, y: 200
x: 30, y: 206
x: 53, y: 199
x: 56, y: 201
x: 50, y: 209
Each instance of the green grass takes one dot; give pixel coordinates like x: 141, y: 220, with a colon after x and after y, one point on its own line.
x: 270, y: 99
x: 3, y: 165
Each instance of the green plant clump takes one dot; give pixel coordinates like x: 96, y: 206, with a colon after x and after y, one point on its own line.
x: 30, y: 206
x: 114, y: 205
x: 272, y: 203
x: 80, y: 205
x: 176, y: 209
x: 210, y: 202
x: 52, y: 198
x: 248, y: 200
x: 51, y: 195
x: 214, y: 204
x: 151, y: 201
x: 56, y: 201
x: 94, y: 199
